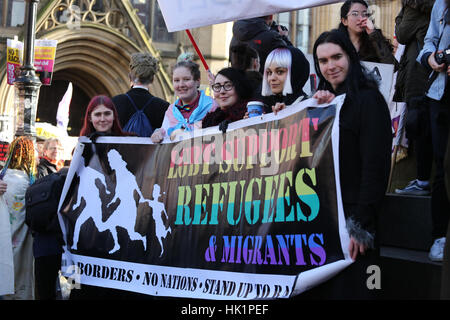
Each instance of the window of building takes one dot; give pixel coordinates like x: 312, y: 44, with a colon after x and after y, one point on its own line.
x: 301, y: 27
x: 159, y: 30
x: 302, y: 32
x: 151, y: 16
x: 16, y: 13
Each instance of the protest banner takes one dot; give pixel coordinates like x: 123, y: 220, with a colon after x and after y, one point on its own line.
x: 14, y: 59
x: 255, y: 213
x: 180, y: 15
x: 44, y: 59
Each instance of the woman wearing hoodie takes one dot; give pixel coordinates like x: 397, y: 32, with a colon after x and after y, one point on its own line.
x: 286, y: 71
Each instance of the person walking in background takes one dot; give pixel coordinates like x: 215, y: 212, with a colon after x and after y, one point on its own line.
x: 411, y: 25
x: 192, y: 105
x: 143, y: 68
x: 436, y: 41
x: 19, y: 173
x: 369, y: 42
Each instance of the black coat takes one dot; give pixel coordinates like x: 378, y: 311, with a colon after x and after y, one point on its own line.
x: 365, y: 142
x: 47, y: 244
x: 411, y: 26
x: 155, y: 111
x: 45, y: 168
x: 258, y: 35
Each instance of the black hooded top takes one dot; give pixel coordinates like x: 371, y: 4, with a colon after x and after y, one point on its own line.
x: 299, y: 75
x: 258, y: 35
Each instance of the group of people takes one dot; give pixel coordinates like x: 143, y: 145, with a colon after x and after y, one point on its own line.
x: 266, y: 67
x: 29, y: 261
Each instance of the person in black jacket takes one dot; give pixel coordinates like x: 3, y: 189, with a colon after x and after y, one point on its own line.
x: 47, y: 247
x: 261, y: 34
x: 143, y: 68
x: 365, y: 140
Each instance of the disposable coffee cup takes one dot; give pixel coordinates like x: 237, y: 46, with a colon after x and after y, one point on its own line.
x: 254, y: 108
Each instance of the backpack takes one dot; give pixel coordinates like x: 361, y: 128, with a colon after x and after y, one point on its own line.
x: 42, y: 200
x: 139, y: 122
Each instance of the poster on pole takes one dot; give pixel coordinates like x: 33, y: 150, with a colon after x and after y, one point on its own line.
x: 14, y: 59
x: 255, y: 213
x: 44, y: 59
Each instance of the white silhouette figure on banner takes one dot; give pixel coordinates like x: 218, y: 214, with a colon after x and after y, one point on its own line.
x: 91, y: 196
x: 123, y: 216
x: 158, y: 208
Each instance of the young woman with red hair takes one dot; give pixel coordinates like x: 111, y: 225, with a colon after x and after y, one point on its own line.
x: 101, y: 116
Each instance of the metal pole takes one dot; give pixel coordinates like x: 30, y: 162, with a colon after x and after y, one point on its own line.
x: 27, y: 84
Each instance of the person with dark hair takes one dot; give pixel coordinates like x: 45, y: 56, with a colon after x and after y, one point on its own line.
x: 260, y: 34
x: 368, y: 41
x: 411, y: 25
x: 18, y: 174
x: 437, y: 41
x: 286, y: 71
x: 192, y: 105
x: 245, y: 58
x: 232, y: 91
x: 365, y: 140
x: 143, y: 68
x: 101, y: 116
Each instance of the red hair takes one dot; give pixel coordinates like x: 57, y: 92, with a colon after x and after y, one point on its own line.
x: 88, y: 128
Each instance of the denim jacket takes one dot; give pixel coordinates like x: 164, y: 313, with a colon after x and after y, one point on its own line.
x: 437, y: 29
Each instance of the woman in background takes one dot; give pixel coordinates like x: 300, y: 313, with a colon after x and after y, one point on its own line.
x: 369, y: 42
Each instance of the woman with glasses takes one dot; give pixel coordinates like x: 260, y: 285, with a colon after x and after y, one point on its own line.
x: 286, y: 71
x: 232, y: 91
x: 368, y: 41
x: 188, y: 111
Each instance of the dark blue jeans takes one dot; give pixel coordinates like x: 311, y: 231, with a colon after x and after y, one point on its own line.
x: 439, y: 124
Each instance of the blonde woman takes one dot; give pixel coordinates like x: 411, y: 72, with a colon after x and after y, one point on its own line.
x: 143, y: 68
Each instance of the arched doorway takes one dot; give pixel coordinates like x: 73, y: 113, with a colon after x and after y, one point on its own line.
x: 49, y: 98
x: 93, y: 54
x: 96, y: 62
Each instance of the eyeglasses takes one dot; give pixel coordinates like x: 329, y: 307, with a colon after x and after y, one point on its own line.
x: 227, y: 86
x: 357, y: 14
